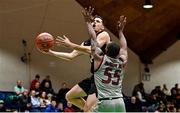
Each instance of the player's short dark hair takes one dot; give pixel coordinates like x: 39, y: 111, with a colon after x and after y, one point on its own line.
x: 112, y: 50
x: 97, y: 16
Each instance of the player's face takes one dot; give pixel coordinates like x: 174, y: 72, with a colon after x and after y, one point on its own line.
x: 98, y: 24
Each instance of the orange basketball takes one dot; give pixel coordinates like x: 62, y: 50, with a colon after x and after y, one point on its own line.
x: 44, y: 41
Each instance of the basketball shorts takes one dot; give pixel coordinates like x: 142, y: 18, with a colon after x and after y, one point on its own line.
x: 88, y: 85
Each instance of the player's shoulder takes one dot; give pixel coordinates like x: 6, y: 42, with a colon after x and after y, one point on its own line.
x: 104, y: 34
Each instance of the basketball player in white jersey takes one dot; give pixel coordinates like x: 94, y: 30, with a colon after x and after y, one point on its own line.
x: 108, y: 73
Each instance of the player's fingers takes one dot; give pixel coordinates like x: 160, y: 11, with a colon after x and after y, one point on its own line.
x: 121, y: 18
x: 92, y: 10
x: 59, y: 38
x: 65, y: 37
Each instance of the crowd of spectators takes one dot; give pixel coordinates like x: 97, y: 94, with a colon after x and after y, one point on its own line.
x: 159, y: 100
x: 41, y: 97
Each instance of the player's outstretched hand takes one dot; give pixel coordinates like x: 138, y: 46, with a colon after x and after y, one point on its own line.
x: 63, y: 41
x: 121, y: 23
x: 87, y: 13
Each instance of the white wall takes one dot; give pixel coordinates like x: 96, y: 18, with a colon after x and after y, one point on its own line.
x: 23, y: 22
x: 165, y: 68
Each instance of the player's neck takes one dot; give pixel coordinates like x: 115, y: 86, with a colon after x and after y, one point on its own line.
x: 98, y: 32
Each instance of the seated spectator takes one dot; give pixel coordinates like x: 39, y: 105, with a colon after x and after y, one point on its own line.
x: 52, y: 107
x: 165, y: 90
x: 2, y: 107
x: 134, y: 105
x: 47, y: 79
x: 178, y: 109
x: 152, y: 103
x: 140, y: 97
x: 170, y: 107
x: 173, y: 95
x: 139, y: 92
x: 69, y: 108
x: 177, y: 104
x: 37, y: 89
x: 61, y: 107
x: 49, y: 97
x: 25, y: 101
x: 43, y: 101
x: 19, y: 89
x: 33, y: 82
x: 47, y: 89
x: 157, y: 91
x: 35, y: 102
x: 176, y: 87
x: 61, y: 94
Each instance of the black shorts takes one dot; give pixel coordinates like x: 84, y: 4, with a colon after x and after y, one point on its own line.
x: 88, y: 85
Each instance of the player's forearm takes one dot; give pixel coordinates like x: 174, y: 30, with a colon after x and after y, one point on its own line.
x: 94, y: 49
x: 85, y: 49
x: 91, y: 31
x: 123, y: 46
x: 122, y: 41
x: 62, y: 55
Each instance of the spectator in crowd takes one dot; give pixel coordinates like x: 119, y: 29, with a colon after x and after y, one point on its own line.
x: 49, y: 97
x: 47, y: 79
x: 33, y: 82
x: 37, y: 88
x: 165, y: 90
x: 176, y: 87
x: 2, y: 107
x: 25, y: 101
x: 139, y: 92
x: 61, y: 107
x: 177, y: 104
x: 35, y: 102
x: 134, y: 105
x: 172, y: 98
x: 152, y: 103
x: 47, y: 88
x: 61, y: 94
x: 69, y: 108
x: 161, y: 108
x: 170, y: 107
x: 157, y: 91
x: 178, y: 109
x: 52, y: 107
x: 19, y: 89
x: 44, y: 101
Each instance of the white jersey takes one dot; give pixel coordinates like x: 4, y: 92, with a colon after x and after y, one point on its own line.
x: 108, y: 78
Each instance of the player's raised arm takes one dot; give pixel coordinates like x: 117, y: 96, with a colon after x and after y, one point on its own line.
x: 122, y: 40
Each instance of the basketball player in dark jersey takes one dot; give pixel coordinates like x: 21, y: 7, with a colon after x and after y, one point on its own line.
x: 86, y: 86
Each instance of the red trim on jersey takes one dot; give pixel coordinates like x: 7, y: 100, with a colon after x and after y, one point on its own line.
x: 100, y: 64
